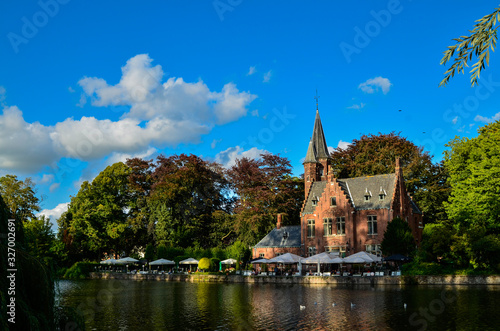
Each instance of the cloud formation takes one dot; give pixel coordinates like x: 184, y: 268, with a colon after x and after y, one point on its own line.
x: 373, y: 85
x: 229, y: 156
x: 160, y: 115
x: 480, y: 118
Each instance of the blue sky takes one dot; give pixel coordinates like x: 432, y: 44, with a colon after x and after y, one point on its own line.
x: 86, y: 84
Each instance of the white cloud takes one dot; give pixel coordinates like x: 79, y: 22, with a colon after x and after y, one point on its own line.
x: 46, y: 179
x: 54, y: 187
x: 373, y: 85
x: 71, y: 90
x: 255, y: 112
x: 267, y: 76
x: 356, y: 106
x: 25, y: 146
x: 251, y: 71
x: 455, y: 120
x: 228, y: 157
x: 480, y: 118
x: 215, y: 142
x: 83, y: 101
x: 160, y: 115
x: 330, y: 149
x: 55, y: 213
x: 343, y: 144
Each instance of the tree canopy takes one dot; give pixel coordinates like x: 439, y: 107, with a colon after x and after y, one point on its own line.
x: 482, y: 38
x: 474, y: 203
x: 20, y: 197
x: 398, y: 238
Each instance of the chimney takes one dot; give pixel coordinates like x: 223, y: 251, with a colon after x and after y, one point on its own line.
x: 278, y: 224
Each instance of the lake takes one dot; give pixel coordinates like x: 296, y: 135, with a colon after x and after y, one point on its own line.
x: 154, y: 305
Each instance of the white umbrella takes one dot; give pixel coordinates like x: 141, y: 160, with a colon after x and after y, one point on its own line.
x: 228, y: 261
x: 109, y: 261
x: 355, y: 259
x: 126, y: 260
x: 337, y: 260
x: 324, y: 257
x: 189, y: 261
x: 263, y: 260
x: 162, y: 262
x: 367, y: 258
x: 287, y: 258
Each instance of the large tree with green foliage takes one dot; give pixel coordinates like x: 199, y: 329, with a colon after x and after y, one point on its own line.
x: 474, y: 204
x: 398, y: 238
x: 188, y: 196
x: 376, y: 154
x: 20, y: 197
x: 265, y: 187
x: 478, y: 44
x: 96, y: 220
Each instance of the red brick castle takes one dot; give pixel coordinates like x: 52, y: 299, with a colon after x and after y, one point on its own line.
x: 341, y: 215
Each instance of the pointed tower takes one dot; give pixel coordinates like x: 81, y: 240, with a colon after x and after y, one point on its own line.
x: 317, y: 161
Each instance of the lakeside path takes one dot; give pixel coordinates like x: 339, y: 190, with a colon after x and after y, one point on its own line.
x: 375, y: 280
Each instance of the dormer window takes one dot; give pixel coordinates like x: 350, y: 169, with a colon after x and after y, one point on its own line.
x: 368, y: 195
x: 333, y: 201
x: 314, y: 202
x: 382, y: 193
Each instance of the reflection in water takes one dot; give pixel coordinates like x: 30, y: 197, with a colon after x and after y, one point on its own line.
x: 130, y: 305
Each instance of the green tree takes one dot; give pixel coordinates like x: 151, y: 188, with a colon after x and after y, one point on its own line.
x: 265, y: 187
x: 398, y: 238
x: 188, y: 196
x: 96, y: 220
x: 376, y: 155
x: 437, y: 240
x: 149, y: 254
x: 41, y: 240
x: 240, y: 252
x: 474, y: 203
x: 161, y: 252
x: 482, y: 38
x: 20, y: 197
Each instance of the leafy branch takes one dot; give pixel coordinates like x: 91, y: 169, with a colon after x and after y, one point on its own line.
x: 478, y: 44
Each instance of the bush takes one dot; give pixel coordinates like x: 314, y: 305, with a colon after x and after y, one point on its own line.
x: 80, y: 270
x: 161, y: 252
x: 204, y: 264
x: 214, y: 264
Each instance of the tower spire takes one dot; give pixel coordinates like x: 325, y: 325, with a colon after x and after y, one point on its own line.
x: 317, y: 99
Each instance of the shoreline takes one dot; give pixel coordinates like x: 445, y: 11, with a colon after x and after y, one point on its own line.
x: 345, y: 280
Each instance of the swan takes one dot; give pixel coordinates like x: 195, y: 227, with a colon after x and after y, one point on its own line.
x: 302, y: 307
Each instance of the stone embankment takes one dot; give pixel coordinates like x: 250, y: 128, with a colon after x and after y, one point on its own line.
x: 380, y: 280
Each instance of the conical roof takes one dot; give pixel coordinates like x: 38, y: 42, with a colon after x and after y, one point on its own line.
x: 317, y: 146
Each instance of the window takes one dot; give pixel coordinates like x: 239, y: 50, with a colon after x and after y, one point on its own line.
x: 333, y: 201
x: 341, y: 226
x: 372, y: 224
x: 340, y: 250
x: 368, y: 195
x: 310, y: 228
x: 261, y: 255
x: 311, y: 251
x: 367, y: 198
x: 314, y: 202
x: 381, y: 196
x: 374, y: 249
x: 327, y: 227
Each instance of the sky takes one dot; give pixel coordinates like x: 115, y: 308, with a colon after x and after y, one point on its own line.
x: 85, y: 84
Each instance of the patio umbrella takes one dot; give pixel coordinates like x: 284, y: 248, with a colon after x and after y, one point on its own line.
x: 127, y: 260
x: 161, y: 262
x: 261, y: 260
x: 287, y: 258
x: 109, y: 261
x: 189, y: 261
x: 228, y: 261
x: 397, y: 258
x: 324, y: 258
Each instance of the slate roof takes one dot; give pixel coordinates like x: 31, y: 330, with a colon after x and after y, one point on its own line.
x: 276, y: 237
x: 357, y: 188
x: 315, y: 193
x: 317, y: 145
